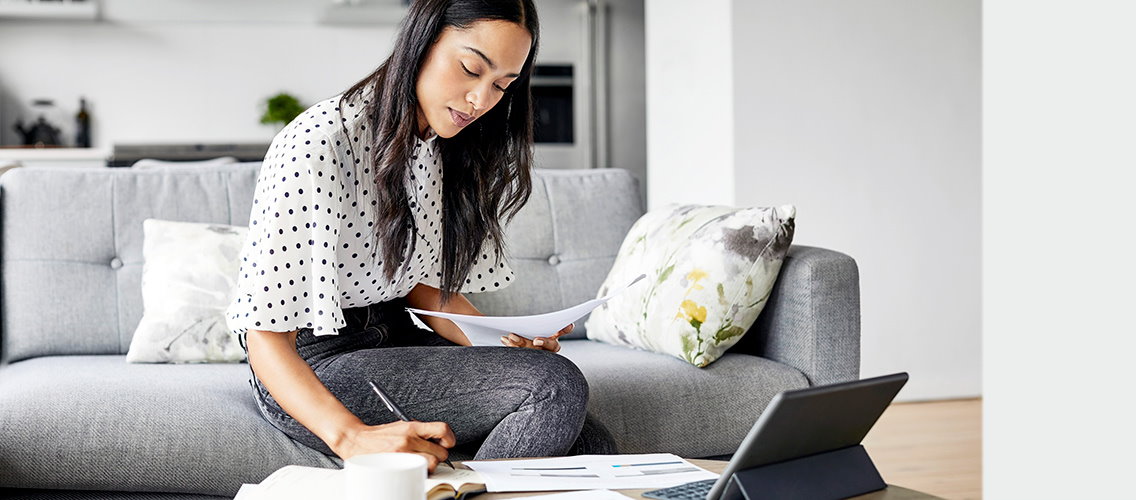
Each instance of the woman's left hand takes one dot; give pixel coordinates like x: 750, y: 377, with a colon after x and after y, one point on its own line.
x: 549, y: 343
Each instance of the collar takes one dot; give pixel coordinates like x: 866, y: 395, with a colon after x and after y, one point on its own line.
x: 430, y: 136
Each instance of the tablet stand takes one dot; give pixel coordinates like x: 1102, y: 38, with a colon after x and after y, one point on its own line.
x: 842, y: 473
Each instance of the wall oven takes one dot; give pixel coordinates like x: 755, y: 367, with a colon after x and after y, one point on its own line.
x: 553, y: 120
x: 559, y: 123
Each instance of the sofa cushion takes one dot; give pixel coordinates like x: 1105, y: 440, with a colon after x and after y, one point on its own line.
x: 97, y: 422
x: 658, y: 403
x: 188, y: 279
x: 710, y: 270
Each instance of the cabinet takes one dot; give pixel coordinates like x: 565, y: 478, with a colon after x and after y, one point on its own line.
x: 40, y: 9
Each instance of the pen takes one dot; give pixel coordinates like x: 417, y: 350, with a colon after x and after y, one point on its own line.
x: 398, y: 412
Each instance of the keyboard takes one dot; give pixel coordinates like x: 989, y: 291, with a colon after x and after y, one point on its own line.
x: 689, y: 491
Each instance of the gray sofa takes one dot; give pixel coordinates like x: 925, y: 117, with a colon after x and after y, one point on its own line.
x: 77, y: 421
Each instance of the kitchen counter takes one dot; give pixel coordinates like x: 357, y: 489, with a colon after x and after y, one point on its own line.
x: 66, y: 157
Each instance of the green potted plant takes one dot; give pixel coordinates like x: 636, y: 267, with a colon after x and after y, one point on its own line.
x: 281, y: 109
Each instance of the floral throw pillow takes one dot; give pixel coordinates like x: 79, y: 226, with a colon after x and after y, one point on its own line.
x: 709, y: 270
x: 188, y: 279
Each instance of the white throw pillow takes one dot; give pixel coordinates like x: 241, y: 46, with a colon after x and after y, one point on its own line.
x: 148, y: 163
x: 709, y: 272
x: 188, y: 280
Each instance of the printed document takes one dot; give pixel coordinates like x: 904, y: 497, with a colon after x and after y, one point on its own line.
x: 487, y: 330
x: 589, y: 472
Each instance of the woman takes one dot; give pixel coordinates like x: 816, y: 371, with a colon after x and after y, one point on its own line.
x: 348, y: 228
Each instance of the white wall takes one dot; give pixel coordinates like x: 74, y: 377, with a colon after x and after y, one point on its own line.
x: 690, y: 136
x: 866, y: 116
x: 1058, y: 243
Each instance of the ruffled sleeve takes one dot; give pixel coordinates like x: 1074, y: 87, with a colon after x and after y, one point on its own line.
x: 488, y: 273
x: 288, y: 271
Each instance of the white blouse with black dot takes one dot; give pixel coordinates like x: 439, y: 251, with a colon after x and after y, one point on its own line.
x: 306, y: 257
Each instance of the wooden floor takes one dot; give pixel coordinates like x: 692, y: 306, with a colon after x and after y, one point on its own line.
x: 933, y: 447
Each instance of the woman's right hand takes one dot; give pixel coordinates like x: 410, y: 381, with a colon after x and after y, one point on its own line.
x: 432, y: 440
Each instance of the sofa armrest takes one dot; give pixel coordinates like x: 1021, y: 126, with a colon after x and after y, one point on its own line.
x: 812, y: 319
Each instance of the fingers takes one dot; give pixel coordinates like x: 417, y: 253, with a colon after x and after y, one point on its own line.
x: 547, y: 343
x: 565, y: 331
x: 514, y: 340
x: 433, y: 451
x: 439, y: 431
x: 427, y: 439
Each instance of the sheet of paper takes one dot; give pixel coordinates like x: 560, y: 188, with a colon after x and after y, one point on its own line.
x: 299, y: 482
x: 296, y: 482
x: 249, y: 492
x: 584, y: 495
x: 487, y: 330
x: 589, y: 472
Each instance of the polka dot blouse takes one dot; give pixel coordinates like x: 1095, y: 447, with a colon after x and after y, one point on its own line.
x: 305, y: 259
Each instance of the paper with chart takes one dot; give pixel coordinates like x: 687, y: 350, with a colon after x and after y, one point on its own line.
x: 589, y: 472
x: 487, y: 330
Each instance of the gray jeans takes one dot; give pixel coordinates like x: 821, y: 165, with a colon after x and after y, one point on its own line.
x: 500, y: 402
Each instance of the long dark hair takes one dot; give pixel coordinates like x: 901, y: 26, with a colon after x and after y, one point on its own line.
x: 486, y: 167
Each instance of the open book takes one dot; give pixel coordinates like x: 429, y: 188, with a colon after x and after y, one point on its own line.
x: 447, y: 483
x: 487, y: 330
x: 305, y: 483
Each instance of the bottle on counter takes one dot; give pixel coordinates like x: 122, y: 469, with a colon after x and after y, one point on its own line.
x: 83, y: 126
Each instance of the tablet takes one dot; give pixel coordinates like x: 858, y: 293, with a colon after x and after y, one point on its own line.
x: 813, y: 420
x: 798, y: 424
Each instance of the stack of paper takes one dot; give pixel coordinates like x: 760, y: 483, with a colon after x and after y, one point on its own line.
x: 589, y: 472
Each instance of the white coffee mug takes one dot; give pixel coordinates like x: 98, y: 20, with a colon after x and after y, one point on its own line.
x: 387, y: 476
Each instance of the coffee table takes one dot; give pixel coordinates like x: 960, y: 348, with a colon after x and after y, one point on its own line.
x: 717, y: 466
